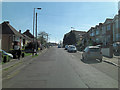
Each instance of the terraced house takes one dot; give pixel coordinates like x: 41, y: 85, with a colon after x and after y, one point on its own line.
x: 116, y: 29
x: 107, y: 32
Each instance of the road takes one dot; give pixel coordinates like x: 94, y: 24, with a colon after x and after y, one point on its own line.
x: 57, y: 68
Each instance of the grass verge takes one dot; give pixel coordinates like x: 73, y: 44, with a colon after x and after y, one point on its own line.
x: 28, y: 54
x: 34, y: 56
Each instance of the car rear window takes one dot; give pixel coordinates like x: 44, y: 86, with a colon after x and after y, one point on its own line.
x: 94, y: 49
x: 72, y: 47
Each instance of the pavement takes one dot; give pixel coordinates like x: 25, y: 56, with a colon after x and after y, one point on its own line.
x: 13, y: 62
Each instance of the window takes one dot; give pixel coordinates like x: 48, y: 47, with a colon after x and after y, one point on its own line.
x: 93, y: 34
x: 94, y: 49
x: 116, y: 24
x: 97, y: 39
x: 103, y: 30
x: 108, y: 27
x: 118, y: 36
x: 97, y: 32
x: 108, y: 38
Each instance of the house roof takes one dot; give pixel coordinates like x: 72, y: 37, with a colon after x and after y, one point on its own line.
x: 8, y: 29
x: 108, y: 20
x: 78, y: 34
x: 27, y: 32
x: 25, y: 36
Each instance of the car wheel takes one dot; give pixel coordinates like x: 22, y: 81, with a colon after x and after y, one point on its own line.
x: 82, y: 57
x: 100, y: 60
x: 85, y: 58
x: 5, y: 59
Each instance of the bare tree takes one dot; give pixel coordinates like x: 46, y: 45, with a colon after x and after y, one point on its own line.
x: 43, y: 37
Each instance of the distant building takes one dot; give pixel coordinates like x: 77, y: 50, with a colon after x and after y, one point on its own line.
x: 72, y: 37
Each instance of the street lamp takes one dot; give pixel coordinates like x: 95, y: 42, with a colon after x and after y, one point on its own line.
x: 34, y: 19
x: 33, y: 23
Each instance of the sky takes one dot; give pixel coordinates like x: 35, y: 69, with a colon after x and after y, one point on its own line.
x: 57, y: 18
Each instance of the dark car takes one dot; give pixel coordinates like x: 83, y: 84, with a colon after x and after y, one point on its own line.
x: 59, y: 46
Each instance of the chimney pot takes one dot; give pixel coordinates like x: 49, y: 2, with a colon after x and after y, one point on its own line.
x: 6, y: 22
x: 19, y: 31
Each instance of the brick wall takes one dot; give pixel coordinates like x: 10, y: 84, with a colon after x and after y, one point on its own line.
x: 6, y: 42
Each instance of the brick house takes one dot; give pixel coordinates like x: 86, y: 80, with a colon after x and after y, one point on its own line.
x: 116, y: 29
x: 11, y: 38
x: 26, y: 39
x: 101, y: 34
x: 27, y: 33
x: 68, y: 37
x: 91, y: 36
x: 107, y: 33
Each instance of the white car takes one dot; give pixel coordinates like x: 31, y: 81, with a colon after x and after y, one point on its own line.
x: 71, y: 48
x: 66, y: 47
x: 92, y: 52
x: 5, y: 53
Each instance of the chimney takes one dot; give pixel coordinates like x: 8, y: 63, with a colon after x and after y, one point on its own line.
x: 28, y: 30
x: 100, y: 23
x: 7, y: 22
x: 19, y: 31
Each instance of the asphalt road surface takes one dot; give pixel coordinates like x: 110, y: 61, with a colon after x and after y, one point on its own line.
x: 57, y: 68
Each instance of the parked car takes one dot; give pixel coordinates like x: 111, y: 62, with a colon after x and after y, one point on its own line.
x: 14, y: 53
x: 99, y: 46
x: 92, y: 52
x: 5, y: 53
x: 116, y: 47
x: 66, y: 47
x: 6, y: 56
x: 59, y: 46
x: 71, y: 48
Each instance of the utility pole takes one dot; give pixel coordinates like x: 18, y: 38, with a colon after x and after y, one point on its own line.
x: 36, y: 33
x: 33, y: 23
x: 33, y: 26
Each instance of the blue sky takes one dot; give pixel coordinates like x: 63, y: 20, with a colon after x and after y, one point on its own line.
x: 57, y: 18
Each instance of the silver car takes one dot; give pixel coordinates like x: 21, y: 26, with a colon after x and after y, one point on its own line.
x: 92, y: 52
x: 66, y: 47
x: 71, y: 48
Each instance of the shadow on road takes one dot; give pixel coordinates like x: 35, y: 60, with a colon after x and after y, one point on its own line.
x: 90, y: 61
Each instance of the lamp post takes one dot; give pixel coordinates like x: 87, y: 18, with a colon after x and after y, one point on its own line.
x: 36, y: 34
x: 33, y: 23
